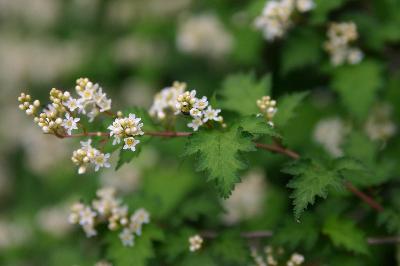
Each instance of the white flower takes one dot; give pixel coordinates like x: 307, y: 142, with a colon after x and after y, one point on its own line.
x: 141, y: 216
x: 70, y: 123
x: 305, y: 5
x: 201, y: 104
x: 104, y: 104
x: 195, y: 112
x: 211, y: 114
x: 196, y: 123
x: 87, y: 216
x: 354, y: 56
x: 330, y: 134
x: 127, y: 237
x: 195, y: 243
x: 89, y: 230
x: 100, y: 160
x: 73, y: 104
x: 130, y: 143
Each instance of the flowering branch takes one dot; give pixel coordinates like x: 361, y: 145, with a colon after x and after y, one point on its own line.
x: 277, y: 148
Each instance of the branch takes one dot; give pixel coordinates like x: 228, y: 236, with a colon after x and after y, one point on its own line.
x: 268, y: 234
x: 276, y: 148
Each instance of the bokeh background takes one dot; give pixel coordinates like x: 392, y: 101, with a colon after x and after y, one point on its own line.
x: 133, y: 48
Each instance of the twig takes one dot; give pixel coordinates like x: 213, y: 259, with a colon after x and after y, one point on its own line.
x: 277, y: 148
x: 268, y: 234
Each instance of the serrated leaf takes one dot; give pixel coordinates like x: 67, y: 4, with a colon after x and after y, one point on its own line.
x: 256, y: 126
x: 137, y: 255
x: 311, y: 179
x: 286, y: 108
x: 126, y: 156
x: 322, y: 8
x: 346, y: 163
x: 293, y: 234
x: 219, y: 155
x: 241, y: 91
x: 302, y: 48
x: 391, y: 219
x: 357, y: 86
x: 344, y: 233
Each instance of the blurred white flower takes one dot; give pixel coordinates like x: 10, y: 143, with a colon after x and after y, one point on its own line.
x: 204, y: 35
x: 247, y: 200
x: 330, y: 134
x: 53, y: 220
x: 379, y: 125
x: 13, y: 234
x: 36, y: 13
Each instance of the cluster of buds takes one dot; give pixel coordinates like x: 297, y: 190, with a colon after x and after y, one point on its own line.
x: 126, y: 128
x: 267, y: 108
x: 92, y: 100
x: 199, y: 109
x: 58, y: 116
x: 195, y: 243
x: 164, y: 103
x: 340, y: 35
x: 273, y: 257
x: 109, y: 209
x: 87, y: 155
x: 275, y: 19
x: 27, y: 105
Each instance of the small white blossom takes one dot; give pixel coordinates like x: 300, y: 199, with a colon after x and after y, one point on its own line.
x: 201, y: 104
x: 141, y: 216
x: 73, y: 104
x: 127, y: 237
x: 70, y: 123
x: 130, y: 144
x: 196, y: 123
x: 165, y: 101
x: 305, y: 5
x: 211, y: 114
x: 195, y: 243
x: 195, y: 112
x: 101, y: 160
x: 87, y: 216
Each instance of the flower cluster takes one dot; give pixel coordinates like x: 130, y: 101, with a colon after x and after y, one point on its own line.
x: 126, y: 128
x: 340, y: 35
x: 108, y: 208
x: 379, y: 125
x: 195, y: 243
x: 58, y: 116
x: 267, y: 108
x: 87, y: 155
x: 164, y: 103
x: 273, y: 257
x: 92, y: 100
x: 199, y: 109
x: 275, y: 19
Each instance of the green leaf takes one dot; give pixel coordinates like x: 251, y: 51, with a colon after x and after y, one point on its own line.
x: 241, y: 91
x: 256, y: 126
x: 344, y: 233
x: 322, y: 8
x: 230, y: 249
x: 293, y: 234
x: 137, y: 255
x: 391, y: 219
x: 357, y: 86
x: 311, y: 179
x: 219, y: 154
x: 286, y: 108
x: 126, y: 156
x: 302, y: 48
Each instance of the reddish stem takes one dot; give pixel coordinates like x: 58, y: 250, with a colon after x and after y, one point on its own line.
x: 277, y: 148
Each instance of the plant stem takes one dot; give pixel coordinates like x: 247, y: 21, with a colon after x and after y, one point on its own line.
x: 277, y: 148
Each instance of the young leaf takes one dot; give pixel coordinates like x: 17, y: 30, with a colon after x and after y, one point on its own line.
x: 286, y: 108
x: 344, y: 233
x: 357, y: 86
x: 292, y: 234
x: 241, y: 91
x: 219, y: 155
x: 256, y: 126
x: 126, y: 156
x: 311, y: 179
x: 137, y: 255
